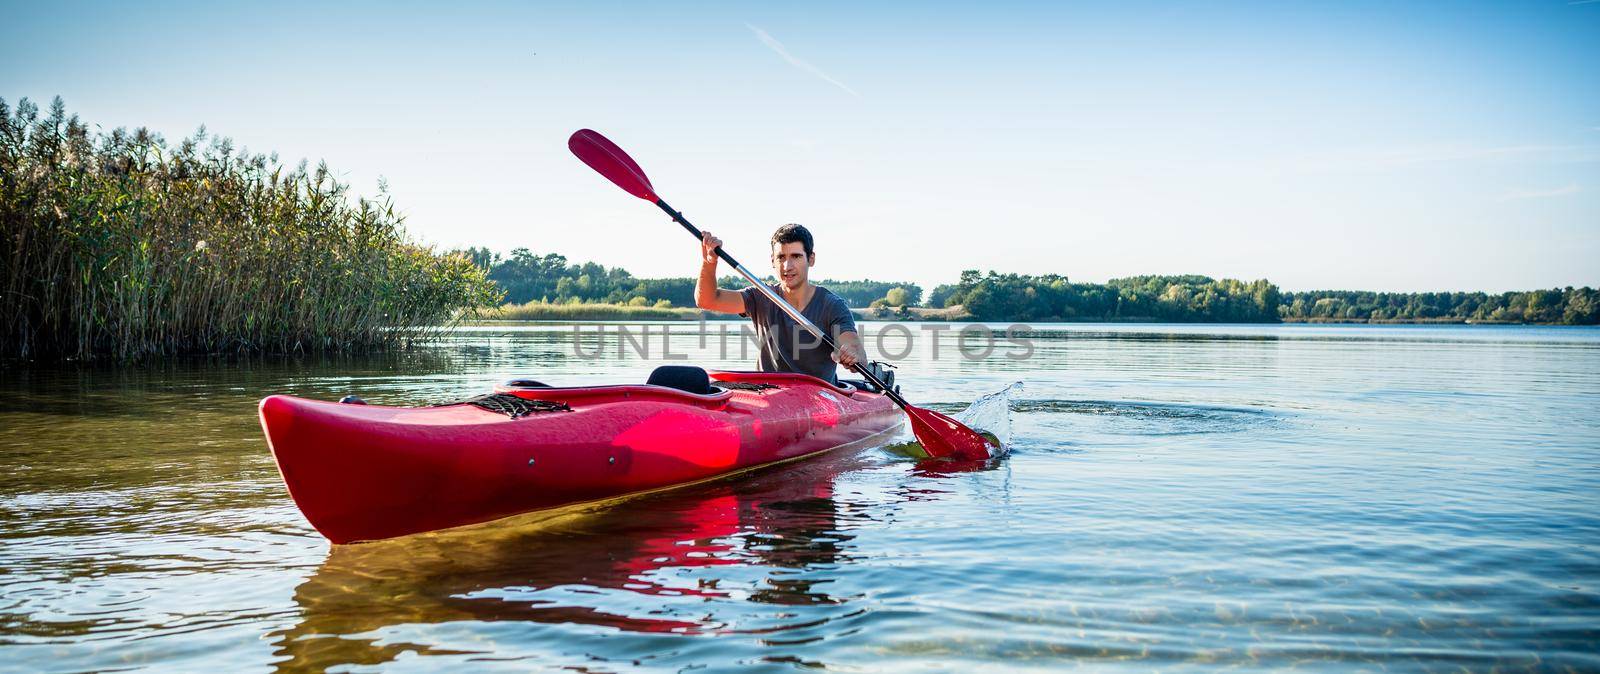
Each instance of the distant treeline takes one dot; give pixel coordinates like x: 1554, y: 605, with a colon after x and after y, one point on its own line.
x: 1566, y: 306
x: 1015, y: 297
x: 1200, y: 299
x: 118, y: 244
x: 992, y: 296
x: 552, y: 279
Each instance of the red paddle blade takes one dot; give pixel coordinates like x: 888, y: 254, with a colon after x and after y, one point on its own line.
x: 604, y: 156
x: 943, y: 437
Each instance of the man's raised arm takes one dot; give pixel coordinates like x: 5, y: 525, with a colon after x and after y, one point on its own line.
x: 706, y: 293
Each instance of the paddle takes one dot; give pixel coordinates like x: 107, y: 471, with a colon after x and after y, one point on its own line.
x: 940, y: 435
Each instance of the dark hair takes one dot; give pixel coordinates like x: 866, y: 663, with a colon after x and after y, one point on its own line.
x: 791, y: 233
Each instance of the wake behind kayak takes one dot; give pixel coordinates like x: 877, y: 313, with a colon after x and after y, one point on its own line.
x: 368, y: 472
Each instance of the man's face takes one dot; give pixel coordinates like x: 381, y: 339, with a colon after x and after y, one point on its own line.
x: 791, y: 264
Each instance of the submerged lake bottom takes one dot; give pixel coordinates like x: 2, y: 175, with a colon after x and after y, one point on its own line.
x: 1175, y: 497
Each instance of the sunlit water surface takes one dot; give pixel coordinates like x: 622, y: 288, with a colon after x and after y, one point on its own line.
x: 1176, y: 497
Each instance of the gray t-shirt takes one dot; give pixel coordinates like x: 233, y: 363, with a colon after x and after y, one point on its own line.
x: 787, y: 347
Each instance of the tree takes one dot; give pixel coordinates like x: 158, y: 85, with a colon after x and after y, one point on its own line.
x: 862, y: 293
x: 1582, y: 308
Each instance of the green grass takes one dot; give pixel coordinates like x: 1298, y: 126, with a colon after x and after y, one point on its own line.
x: 542, y: 311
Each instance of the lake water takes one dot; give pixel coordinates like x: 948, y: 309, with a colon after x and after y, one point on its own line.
x: 1345, y: 498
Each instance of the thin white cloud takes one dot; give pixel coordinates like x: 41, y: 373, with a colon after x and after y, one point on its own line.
x: 1540, y: 194
x: 1391, y: 157
x: 776, y: 46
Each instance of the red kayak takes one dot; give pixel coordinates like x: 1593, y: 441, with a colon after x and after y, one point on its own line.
x: 365, y: 472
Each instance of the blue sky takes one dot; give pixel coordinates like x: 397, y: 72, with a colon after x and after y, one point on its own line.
x: 1364, y: 145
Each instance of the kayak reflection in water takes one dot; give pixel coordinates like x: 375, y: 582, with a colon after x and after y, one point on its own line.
x: 785, y: 345
x: 668, y: 563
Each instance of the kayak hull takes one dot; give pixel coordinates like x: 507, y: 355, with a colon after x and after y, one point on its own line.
x: 368, y: 472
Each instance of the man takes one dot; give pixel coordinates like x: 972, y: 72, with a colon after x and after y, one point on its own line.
x: 785, y: 346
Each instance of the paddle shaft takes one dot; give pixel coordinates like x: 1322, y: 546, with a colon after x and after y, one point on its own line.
x: 783, y: 304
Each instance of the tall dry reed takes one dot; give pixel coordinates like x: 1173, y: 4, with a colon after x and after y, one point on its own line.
x: 120, y: 245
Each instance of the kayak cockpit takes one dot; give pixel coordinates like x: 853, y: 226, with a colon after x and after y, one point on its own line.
x: 676, y: 384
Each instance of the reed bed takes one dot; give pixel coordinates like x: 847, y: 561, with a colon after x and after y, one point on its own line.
x: 119, y: 245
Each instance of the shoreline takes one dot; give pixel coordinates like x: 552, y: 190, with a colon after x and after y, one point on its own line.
x: 614, y: 312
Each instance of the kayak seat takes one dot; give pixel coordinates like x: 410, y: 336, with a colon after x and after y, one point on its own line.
x: 526, y: 383
x: 686, y: 378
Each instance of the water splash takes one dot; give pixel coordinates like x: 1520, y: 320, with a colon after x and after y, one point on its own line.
x: 989, y: 415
